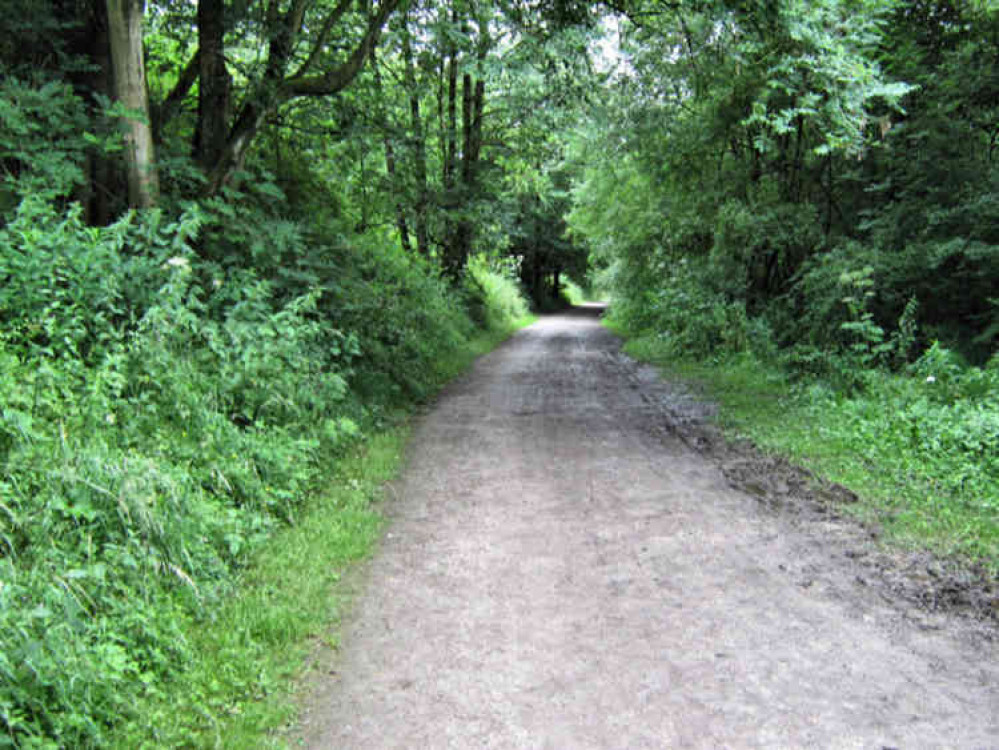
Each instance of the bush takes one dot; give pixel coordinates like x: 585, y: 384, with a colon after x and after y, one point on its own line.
x: 495, y: 298
x: 690, y: 318
x: 161, y: 414
x: 43, y: 139
x: 406, y: 318
x: 933, y: 436
x: 573, y: 292
x: 145, y: 447
x: 756, y: 252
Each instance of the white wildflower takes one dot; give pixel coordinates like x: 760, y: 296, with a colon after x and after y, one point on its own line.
x: 930, y: 379
x: 177, y: 262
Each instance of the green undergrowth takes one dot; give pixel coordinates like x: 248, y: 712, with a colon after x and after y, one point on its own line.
x: 176, y: 392
x: 920, y: 448
x: 574, y: 293
x: 239, y: 689
x: 245, y: 657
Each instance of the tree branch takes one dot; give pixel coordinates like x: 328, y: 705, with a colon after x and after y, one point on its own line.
x: 317, y: 48
x: 341, y: 76
x: 169, y: 107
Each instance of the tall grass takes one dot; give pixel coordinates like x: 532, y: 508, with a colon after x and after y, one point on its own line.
x: 165, y: 410
x: 498, y: 293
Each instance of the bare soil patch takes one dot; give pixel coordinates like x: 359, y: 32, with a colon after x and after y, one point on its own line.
x: 576, y: 559
x: 918, y: 582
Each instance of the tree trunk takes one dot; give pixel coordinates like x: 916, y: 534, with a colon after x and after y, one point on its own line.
x: 419, y: 147
x: 162, y: 113
x: 91, y: 85
x: 451, y: 143
x: 477, y: 104
x: 452, y: 253
x: 390, y: 167
x: 465, y: 230
x: 466, y: 128
x: 128, y: 63
x: 213, y: 84
x: 472, y: 102
x: 104, y: 171
x: 400, y: 214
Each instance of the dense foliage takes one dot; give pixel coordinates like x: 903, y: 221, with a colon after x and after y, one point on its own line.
x: 811, y: 188
x: 161, y: 417
x: 789, y: 158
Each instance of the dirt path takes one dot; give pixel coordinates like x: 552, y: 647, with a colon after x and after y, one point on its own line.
x: 564, y: 571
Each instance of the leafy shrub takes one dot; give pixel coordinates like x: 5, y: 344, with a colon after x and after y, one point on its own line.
x: 936, y: 436
x: 756, y: 252
x: 404, y: 315
x: 43, y: 139
x: 690, y: 317
x: 72, y: 291
x: 129, y: 487
x: 160, y: 416
x: 495, y: 298
x: 573, y: 292
x: 838, y: 335
x: 820, y: 291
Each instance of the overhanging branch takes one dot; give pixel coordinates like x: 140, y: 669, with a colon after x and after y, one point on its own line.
x: 341, y: 76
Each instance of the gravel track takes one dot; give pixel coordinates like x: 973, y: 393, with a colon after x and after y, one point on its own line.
x: 564, y: 568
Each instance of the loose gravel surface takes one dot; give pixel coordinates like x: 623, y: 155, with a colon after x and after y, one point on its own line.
x: 574, y: 561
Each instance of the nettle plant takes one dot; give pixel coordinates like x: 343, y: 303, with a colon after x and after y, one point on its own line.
x: 871, y: 345
x: 148, y: 441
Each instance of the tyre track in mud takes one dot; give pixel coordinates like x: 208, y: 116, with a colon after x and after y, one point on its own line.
x: 568, y: 565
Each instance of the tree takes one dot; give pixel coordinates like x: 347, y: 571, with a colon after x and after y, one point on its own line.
x: 128, y: 62
x: 418, y: 141
x: 280, y: 83
x: 472, y: 103
x: 213, y: 84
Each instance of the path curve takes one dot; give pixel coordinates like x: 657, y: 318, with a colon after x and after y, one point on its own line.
x: 561, y: 571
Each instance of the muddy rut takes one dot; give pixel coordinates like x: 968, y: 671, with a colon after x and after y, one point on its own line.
x: 569, y: 565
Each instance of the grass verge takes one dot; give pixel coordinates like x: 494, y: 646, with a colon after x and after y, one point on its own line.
x: 888, y: 443
x: 239, y: 689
